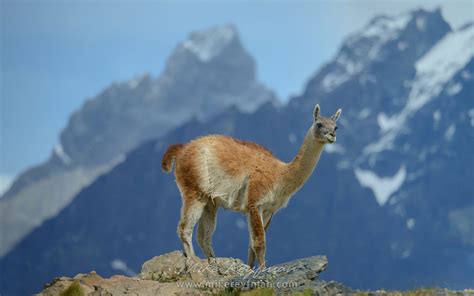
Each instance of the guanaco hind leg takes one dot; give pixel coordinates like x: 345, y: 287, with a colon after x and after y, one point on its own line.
x: 191, y: 211
x: 206, y: 228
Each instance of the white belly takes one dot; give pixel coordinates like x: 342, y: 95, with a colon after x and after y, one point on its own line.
x: 227, y: 191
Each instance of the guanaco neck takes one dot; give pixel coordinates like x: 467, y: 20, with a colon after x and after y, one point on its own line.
x: 302, y: 166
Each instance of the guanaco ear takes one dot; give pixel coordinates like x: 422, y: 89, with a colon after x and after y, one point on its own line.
x: 316, y: 111
x: 336, y: 115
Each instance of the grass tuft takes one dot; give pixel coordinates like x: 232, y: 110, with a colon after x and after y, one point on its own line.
x: 73, y: 290
x: 254, y: 292
x: 258, y: 292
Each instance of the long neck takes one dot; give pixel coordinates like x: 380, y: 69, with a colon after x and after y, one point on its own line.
x: 302, y: 166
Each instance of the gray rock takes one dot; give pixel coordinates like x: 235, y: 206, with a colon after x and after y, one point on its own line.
x: 233, y: 275
x: 174, y: 266
x: 294, y: 275
x: 164, y: 268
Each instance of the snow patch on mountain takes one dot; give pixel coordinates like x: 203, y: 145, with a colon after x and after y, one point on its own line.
x: 333, y: 80
x: 209, y: 43
x: 436, y: 118
x: 433, y: 71
x: 448, y: 135
x: 411, y: 223
x: 376, y: 34
x: 384, y: 143
x: 120, y: 265
x: 59, y: 151
x: 406, y: 254
x: 471, y: 115
x: 385, y: 123
x: 461, y: 222
x: 466, y: 75
x: 381, y: 30
x: 364, y: 113
x: 345, y: 70
x: 439, y: 65
x: 454, y: 89
x: 343, y: 165
x: 386, y: 27
x: 382, y: 187
x: 402, y: 46
x: 5, y: 183
x: 421, y: 23
x: 134, y: 82
x: 241, y: 224
x: 292, y: 138
x: 335, y: 148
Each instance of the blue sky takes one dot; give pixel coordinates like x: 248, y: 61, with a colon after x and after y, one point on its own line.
x: 57, y: 54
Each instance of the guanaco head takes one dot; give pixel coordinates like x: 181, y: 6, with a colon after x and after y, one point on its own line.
x: 324, y: 128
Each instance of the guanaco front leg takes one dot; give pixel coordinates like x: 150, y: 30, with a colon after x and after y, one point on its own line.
x: 257, y: 227
x: 267, y: 218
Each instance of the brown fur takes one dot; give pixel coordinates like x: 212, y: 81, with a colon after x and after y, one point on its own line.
x: 238, y: 156
x: 254, y: 145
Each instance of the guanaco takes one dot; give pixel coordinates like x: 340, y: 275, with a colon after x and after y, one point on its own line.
x: 219, y: 171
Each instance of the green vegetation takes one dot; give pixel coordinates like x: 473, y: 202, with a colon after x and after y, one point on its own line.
x: 254, y: 292
x: 259, y: 292
x: 307, y: 292
x: 73, y: 290
x: 415, y: 292
x: 264, y: 292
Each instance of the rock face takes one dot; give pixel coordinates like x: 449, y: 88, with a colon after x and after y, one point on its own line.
x: 175, y: 266
x: 173, y: 274
x: 205, y: 74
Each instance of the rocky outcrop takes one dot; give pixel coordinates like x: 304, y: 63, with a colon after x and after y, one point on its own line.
x: 174, y: 274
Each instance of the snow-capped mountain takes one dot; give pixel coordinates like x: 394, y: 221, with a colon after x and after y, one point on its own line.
x: 205, y: 74
x: 390, y: 203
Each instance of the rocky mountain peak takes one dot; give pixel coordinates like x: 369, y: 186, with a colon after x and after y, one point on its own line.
x: 405, y: 36
x: 368, y: 43
x: 207, y: 72
x: 207, y: 44
x: 216, y: 48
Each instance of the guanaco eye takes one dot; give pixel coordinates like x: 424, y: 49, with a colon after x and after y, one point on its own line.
x: 319, y: 124
x: 335, y: 128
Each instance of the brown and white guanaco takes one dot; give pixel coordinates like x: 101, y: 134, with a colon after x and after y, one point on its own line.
x: 219, y: 171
